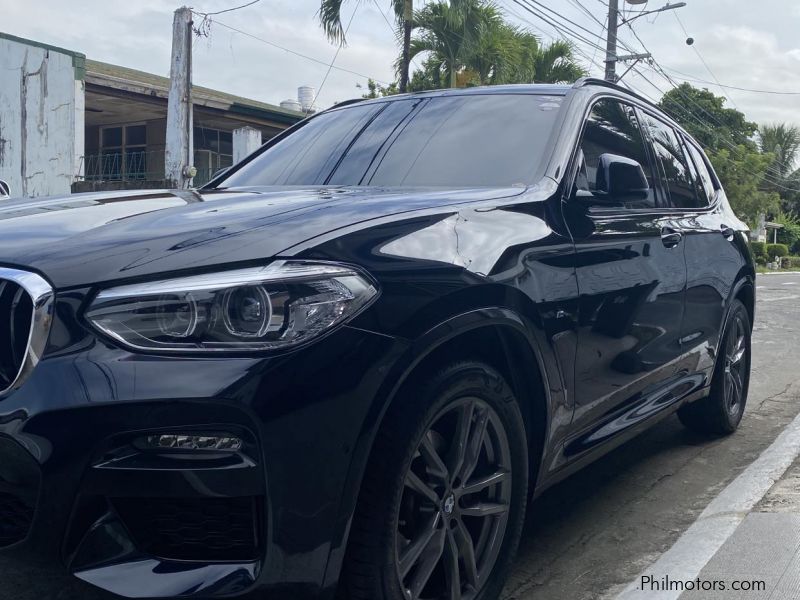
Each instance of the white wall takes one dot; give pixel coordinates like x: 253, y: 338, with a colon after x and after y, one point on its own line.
x: 41, y: 119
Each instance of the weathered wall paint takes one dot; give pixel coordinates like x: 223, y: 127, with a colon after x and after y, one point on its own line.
x: 41, y: 118
x: 246, y: 140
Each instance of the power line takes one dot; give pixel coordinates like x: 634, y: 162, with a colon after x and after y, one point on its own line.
x: 335, y: 56
x: 227, y: 10
x: 703, y: 60
x: 560, y: 33
x: 294, y: 52
x: 560, y: 16
x: 692, y: 78
x: 565, y: 31
x: 709, y: 129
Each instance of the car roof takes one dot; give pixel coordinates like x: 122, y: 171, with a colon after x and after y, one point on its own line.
x: 544, y: 89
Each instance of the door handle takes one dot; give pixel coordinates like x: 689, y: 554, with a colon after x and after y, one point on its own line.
x: 727, y: 232
x: 670, y: 238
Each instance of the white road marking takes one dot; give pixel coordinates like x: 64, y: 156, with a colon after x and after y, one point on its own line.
x: 687, y: 557
x: 789, y: 283
x: 780, y: 273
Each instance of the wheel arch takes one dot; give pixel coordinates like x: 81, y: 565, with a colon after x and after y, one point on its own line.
x: 498, y: 336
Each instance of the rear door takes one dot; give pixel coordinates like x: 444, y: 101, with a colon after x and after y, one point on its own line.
x: 631, y: 277
x: 713, y: 262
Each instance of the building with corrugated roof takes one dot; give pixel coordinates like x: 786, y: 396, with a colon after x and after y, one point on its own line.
x: 68, y: 123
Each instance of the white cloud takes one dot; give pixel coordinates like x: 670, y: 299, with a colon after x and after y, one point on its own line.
x: 747, y: 44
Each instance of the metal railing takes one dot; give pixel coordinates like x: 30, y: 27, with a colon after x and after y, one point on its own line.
x: 141, y: 166
x: 138, y: 165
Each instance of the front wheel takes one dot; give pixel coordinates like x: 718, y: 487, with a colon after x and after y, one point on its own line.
x: 721, y: 412
x: 443, y: 499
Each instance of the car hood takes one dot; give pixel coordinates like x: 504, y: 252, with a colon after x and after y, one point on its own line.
x: 100, y: 237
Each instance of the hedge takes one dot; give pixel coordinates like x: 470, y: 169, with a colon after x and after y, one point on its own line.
x: 777, y: 250
x: 759, y: 249
x: 791, y: 262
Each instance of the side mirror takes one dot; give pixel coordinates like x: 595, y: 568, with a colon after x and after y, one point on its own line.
x: 620, y: 180
x: 5, y: 190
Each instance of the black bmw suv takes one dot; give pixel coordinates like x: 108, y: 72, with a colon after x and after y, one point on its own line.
x: 343, y: 368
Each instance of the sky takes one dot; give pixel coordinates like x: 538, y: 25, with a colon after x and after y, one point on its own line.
x: 250, y: 52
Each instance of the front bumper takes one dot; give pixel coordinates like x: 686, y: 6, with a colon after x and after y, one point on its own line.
x: 101, y: 519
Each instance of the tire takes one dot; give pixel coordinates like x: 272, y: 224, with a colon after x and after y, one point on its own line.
x: 721, y: 412
x: 411, y: 509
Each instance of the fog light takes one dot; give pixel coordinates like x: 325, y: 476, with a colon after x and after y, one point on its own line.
x: 173, y: 441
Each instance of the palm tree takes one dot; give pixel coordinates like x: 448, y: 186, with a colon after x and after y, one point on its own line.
x: 782, y: 141
x: 468, y: 42
x: 330, y: 16
x: 449, y: 32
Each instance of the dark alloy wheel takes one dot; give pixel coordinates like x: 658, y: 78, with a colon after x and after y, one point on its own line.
x: 736, y: 363
x: 443, y: 500
x: 454, y: 511
x: 722, y: 411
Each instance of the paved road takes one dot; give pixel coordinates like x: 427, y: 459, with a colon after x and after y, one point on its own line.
x: 593, y: 534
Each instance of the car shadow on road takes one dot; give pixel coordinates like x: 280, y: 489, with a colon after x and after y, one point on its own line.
x: 567, y: 519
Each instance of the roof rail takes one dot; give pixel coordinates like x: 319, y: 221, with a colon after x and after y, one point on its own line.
x: 348, y: 102
x: 584, y: 81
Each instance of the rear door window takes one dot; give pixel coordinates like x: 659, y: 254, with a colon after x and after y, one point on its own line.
x: 672, y: 159
x: 706, y: 180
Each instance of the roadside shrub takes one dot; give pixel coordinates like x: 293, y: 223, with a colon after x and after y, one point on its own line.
x: 791, y: 262
x: 790, y: 233
x: 759, y: 250
x: 777, y: 250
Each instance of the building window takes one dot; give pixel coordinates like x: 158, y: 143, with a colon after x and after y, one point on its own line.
x: 213, y: 150
x: 123, y: 152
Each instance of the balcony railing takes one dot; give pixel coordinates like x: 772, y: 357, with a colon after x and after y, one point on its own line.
x: 142, y: 166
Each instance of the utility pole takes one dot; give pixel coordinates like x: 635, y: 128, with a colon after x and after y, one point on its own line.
x: 611, y: 42
x: 179, y: 150
x: 612, y: 58
x: 408, y: 18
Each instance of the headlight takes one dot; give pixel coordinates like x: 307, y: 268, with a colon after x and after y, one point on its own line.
x: 260, y: 308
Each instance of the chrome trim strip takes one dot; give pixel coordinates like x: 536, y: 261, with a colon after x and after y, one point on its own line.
x: 42, y: 296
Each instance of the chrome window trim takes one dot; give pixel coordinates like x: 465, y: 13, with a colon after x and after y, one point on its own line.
x: 42, y: 297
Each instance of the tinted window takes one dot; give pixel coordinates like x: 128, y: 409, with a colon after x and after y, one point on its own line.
x: 452, y: 141
x: 703, y: 172
x: 612, y: 128
x: 365, y: 149
x: 675, y: 168
x: 306, y: 156
x: 470, y: 141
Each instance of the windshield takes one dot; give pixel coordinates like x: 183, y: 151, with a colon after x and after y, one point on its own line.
x: 454, y: 141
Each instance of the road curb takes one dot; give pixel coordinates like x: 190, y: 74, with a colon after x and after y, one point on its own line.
x: 695, y: 548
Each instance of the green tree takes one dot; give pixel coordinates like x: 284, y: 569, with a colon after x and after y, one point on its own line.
x: 376, y: 90
x: 741, y: 173
x: 790, y: 233
x: 705, y: 116
x: 468, y: 42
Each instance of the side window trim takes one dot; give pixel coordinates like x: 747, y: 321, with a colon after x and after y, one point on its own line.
x: 715, y: 183
x: 694, y: 173
x: 662, y: 192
